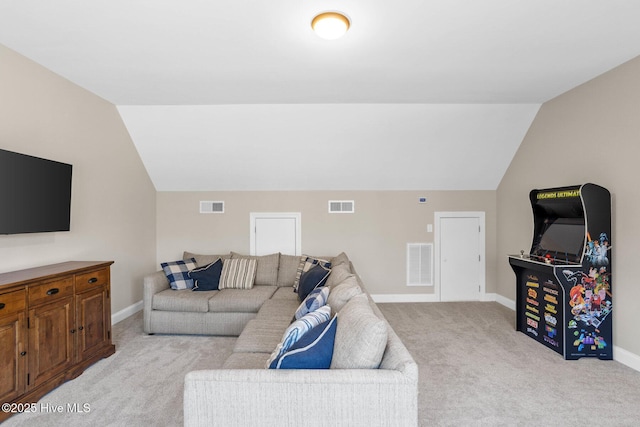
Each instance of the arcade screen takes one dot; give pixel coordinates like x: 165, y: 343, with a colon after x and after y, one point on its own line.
x: 564, y: 236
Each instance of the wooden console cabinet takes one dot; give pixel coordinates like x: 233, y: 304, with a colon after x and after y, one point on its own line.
x: 55, y: 321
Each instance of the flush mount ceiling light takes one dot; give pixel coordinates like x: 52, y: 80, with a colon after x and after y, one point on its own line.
x: 330, y: 25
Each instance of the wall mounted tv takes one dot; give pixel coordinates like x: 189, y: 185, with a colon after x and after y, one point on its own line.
x: 35, y: 194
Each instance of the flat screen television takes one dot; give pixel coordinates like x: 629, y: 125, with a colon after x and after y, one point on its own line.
x: 35, y: 194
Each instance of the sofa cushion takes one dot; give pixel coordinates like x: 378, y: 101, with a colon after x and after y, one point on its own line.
x: 238, y: 274
x: 280, y: 308
x: 246, y: 361
x: 361, y: 336
x: 182, y: 300
x: 240, y: 300
x: 261, y: 335
x: 313, y: 351
x: 316, y: 299
x: 207, y: 278
x: 177, y: 273
x: 341, y: 293
x: 297, y: 329
x: 312, y: 279
x: 339, y: 259
x: 288, y: 269
x: 204, y: 259
x: 307, y: 263
x: 267, y: 268
x: 286, y: 293
x: 338, y: 274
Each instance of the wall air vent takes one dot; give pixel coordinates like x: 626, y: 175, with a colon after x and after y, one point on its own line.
x: 342, y: 206
x: 211, y: 207
x: 419, y: 264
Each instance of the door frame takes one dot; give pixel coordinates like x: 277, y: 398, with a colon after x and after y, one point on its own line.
x: 437, y: 242
x: 289, y: 215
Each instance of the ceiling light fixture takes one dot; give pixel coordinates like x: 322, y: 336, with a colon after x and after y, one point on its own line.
x: 330, y: 25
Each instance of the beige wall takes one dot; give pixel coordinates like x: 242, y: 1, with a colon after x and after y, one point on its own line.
x: 113, y: 200
x: 375, y: 237
x: 589, y: 134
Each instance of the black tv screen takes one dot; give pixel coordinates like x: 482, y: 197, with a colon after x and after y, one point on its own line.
x: 562, y: 238
x: 35, y: 194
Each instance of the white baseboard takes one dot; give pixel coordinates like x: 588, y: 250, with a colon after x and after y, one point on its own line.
x: 506, y: 302
x: 126, y: 312
x: 627, y: 358
x: 382, y: 298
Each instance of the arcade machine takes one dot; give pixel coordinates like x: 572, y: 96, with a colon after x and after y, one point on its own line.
x: 564, y: 294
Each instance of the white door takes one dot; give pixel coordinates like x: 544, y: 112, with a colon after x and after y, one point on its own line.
x: 275, y: 232
x: 461, y: 256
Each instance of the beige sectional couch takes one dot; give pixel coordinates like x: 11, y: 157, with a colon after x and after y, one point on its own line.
x: 245, y: 393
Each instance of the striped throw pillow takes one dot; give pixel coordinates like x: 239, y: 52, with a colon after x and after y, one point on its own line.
x: 238, y: 273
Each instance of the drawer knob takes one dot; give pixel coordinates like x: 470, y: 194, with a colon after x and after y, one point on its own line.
x: 1, y: 305
x: 93, y: 280
x: 23, y: 353
x: 53, y: 291
x: 73, y: 331
x: 81, y: 328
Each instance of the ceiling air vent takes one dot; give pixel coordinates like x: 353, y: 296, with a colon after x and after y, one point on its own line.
x: 341, y: 206
x: 211, y: 207
x: 419, y: 264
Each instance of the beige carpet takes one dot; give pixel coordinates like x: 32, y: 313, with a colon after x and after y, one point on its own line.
x: 475, y: 370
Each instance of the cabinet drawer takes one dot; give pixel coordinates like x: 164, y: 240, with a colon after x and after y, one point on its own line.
x: 12, y: 302
x: 51, y: 291
x: 92, y: 279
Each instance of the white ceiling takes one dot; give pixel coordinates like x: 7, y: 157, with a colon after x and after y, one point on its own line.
x: 438, y: 93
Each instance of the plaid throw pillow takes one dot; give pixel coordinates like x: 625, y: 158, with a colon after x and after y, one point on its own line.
x: 178, y: 273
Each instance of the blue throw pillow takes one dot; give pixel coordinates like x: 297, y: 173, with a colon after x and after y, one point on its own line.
x: 313, y: 351
x: 316, y: 299
x: 207, y: 278
x: 314, y: 278
x: 177, y: 273
x: 298, y: 329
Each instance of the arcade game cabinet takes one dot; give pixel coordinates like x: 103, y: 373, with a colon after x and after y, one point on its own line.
x: 564, y: 294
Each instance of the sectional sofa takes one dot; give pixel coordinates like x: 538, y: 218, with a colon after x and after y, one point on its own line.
x: 372, y: 380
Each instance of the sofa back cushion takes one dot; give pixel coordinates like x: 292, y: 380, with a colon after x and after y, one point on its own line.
x: 361, y: 336
x: 267, y: 267
x: 341, y: 293
x: 288, y: 269
x: 338, y: 274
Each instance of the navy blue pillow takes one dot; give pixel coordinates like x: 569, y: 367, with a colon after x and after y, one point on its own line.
x: 312, y: 279
x: 314, y: 350
x: 207, y: 278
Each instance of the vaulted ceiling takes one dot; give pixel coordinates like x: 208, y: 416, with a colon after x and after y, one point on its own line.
x: 240, y: 95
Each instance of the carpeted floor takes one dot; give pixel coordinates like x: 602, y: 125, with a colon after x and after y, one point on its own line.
x: 475, y: 370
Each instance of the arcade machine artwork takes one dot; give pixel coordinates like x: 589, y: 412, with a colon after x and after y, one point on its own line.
x: 563, y: 294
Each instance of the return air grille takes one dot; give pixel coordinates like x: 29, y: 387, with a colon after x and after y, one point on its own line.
x: 211, y: 207
x: 419, y: 264
x: 341, y: 206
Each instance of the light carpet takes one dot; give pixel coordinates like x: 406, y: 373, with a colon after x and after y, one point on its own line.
x: 475, y: 370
